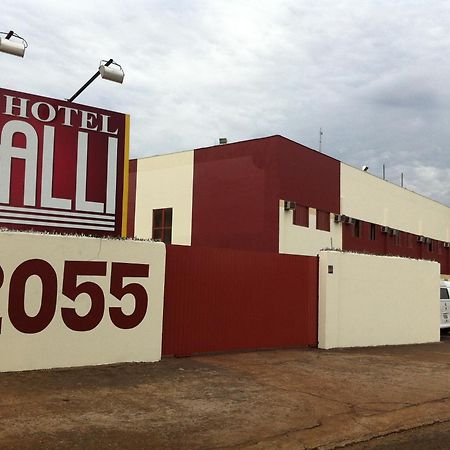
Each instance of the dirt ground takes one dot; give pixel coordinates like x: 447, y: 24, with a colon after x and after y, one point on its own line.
x: 287, y: 399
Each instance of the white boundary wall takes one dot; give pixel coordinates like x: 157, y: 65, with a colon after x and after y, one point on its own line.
x: 33, y: 334
x: 372, y: 300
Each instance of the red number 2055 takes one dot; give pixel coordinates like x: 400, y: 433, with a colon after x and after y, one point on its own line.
x: 72, y: 288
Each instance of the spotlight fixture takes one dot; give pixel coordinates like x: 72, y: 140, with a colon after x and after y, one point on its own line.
x: 108, y: 70
x: 12, y: 47
x: 112, y: 71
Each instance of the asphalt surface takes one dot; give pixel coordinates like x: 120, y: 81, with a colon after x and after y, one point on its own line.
x: 428, y: 437
x: 374, y: 398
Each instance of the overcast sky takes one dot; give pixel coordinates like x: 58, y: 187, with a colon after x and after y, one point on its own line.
x: 375, y: 75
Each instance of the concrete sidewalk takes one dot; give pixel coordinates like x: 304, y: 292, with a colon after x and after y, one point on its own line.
x: 292, y: 399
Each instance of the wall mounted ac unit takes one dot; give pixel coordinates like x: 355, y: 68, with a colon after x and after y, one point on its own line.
x: 350, y: 220
x: 421, y: 239
x: 447, y: 244
x: 394, y: 232
x: 428, y: 240
x: 289, y: 206
x: 385, y: 229
x: 342, y: 218
x: 338, y: 218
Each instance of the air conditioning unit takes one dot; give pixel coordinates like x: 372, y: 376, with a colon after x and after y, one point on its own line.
x: 289, y: 206
x: 394, y: 232
x: 428, y: 240
x: 349, y: 220
x: 421, y: 239
x: 385, y: 229
x: 339, y: 218
x: 447, y: 244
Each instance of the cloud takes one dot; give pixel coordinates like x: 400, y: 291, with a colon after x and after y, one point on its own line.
x: 373, y: 75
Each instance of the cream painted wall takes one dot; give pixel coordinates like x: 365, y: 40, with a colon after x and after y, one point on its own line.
x: 57, y: 345
x: 369, y: 198
x: 165, y: 182
x: 377, y: 300
x: 297, y: 240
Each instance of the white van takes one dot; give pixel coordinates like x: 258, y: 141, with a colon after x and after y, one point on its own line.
x: 445, y: 304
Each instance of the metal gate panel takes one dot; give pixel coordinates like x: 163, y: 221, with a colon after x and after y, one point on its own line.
x: 223, y: 300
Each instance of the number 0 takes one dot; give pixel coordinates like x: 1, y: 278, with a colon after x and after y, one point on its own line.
x: 16, y: 305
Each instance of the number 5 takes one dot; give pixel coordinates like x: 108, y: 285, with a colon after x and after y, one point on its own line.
x: 118, y: 272
x: 71, y: 289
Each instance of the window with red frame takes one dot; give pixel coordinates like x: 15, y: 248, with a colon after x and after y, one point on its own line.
x: 323, y: 220
x: 162, y: 225
x: 301, y: 216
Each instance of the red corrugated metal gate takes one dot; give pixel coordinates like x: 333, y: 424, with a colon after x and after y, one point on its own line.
x: 222, y: 300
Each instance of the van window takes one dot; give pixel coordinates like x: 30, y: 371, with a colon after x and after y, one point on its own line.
x: 444, y: 294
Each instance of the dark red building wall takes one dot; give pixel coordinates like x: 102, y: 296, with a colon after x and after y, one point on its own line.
x: 237, y: 188
x: 406, y: 245
x: 307, y: 177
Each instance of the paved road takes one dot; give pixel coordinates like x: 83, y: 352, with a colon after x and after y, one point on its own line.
x: 285, y: 399
x: 430, y: 437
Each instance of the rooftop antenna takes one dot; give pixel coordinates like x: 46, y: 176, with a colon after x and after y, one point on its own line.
x: 320, y: 139
x: 384, y: 171
x: 401, y: 179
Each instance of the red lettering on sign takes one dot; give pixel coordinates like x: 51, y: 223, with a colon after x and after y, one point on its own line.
x: 73, y: 269
x: 118, y: 272
x: 16, y: 305
x: 72, y: 289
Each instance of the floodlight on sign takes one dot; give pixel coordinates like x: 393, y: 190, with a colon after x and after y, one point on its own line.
x: 114, y: 73
x: 12, y: 47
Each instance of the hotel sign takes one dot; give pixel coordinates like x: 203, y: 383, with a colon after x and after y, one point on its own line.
x: 63, y: 166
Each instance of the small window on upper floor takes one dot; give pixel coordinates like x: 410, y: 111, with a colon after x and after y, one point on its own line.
x: 323, y: 220
x: 301, y: 216
x: 444, y: 294
x: 357, y: 228
x: 162, y: 225
x: 373, y: 231
x: 410, y: 240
